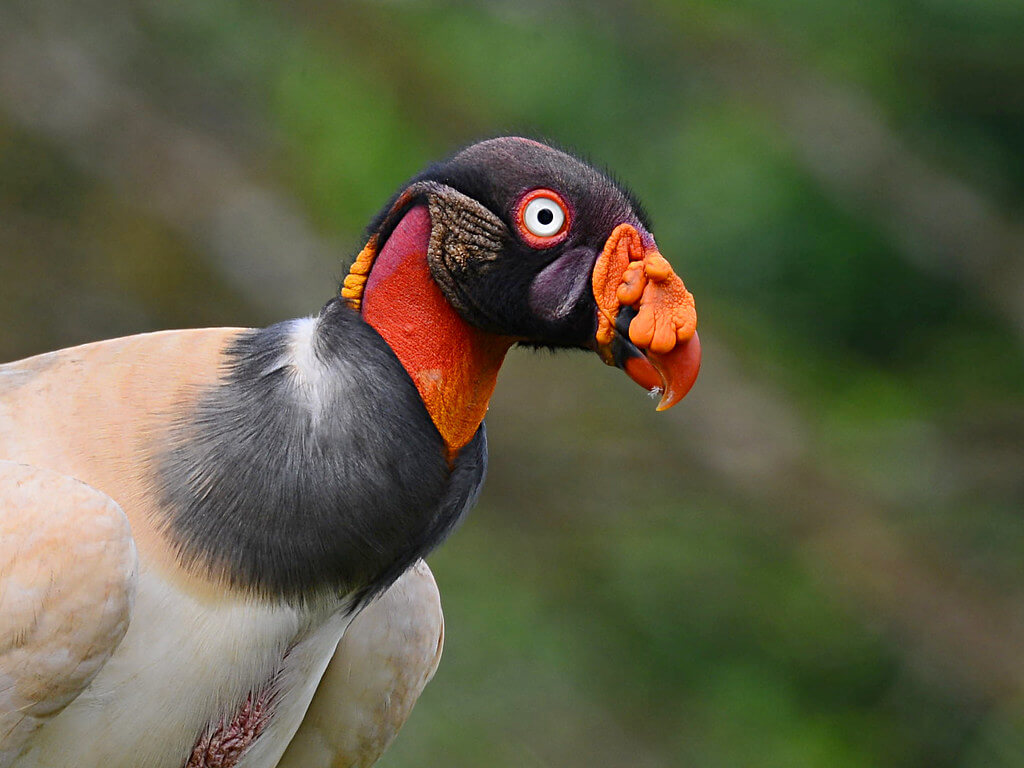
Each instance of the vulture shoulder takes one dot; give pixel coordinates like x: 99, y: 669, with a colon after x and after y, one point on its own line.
x: 67, y: 584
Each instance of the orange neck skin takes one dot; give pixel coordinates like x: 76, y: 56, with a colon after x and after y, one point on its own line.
x: 454, y: 365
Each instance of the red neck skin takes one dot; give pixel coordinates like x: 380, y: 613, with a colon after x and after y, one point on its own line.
x: 454, y: 365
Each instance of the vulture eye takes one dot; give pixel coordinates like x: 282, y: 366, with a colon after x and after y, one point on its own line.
x: 543, y: 218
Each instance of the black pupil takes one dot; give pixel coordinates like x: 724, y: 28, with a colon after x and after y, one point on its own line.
x: 545, y: 216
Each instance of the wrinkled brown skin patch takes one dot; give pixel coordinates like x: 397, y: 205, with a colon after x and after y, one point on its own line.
x: 223, y: 745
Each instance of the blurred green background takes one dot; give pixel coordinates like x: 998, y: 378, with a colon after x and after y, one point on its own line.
x: 817, y: 559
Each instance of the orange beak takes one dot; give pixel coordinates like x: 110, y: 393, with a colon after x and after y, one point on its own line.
x: 647, y: 321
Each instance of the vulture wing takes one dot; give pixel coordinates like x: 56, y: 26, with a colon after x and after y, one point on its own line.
x: 387, y: 656
x: 67, y: 584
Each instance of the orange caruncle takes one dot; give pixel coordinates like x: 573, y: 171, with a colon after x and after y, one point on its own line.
x: 628, y: 274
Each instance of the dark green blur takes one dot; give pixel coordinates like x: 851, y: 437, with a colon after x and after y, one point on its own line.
x: 817, y: 558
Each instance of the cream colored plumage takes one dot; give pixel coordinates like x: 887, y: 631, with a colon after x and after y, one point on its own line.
x: 108, y: 659
x: 393, y: 646
x: 67, y: 584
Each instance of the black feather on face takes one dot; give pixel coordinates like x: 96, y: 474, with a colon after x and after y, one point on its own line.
x: 492, y: 275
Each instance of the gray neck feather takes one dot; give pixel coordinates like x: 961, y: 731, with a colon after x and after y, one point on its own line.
x: 312, y: 466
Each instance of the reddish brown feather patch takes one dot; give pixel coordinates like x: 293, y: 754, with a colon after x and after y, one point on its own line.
x: 223, y: 745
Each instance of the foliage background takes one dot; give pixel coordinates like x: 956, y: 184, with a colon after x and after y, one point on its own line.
x: 815, y: 560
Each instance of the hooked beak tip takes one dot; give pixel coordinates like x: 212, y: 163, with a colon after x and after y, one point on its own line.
x: 671, y: 374
x: 678, y: 370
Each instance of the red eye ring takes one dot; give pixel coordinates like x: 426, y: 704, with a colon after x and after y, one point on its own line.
x: 534, y: 230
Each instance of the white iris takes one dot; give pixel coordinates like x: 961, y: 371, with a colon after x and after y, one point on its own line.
x: 543, y: 217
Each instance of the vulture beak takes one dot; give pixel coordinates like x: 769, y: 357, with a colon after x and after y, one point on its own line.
x: 646, y: 319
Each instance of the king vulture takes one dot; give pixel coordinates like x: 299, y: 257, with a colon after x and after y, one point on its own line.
x: 211, y: 540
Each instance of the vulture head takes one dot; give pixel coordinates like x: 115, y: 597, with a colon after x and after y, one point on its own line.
x: 530, y: 245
